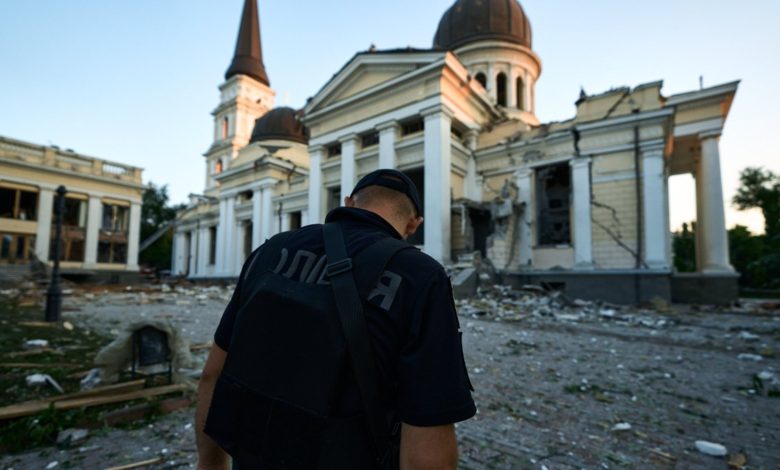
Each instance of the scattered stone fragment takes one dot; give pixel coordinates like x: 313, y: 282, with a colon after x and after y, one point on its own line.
x: 619, y: 427
x: 71, y: 436
x: 36, y: 344
x: 52, y: 465
x: 68, y: 325
x: 711, y: 448
x: 36, y: 380
x: 92, y: 379
x: 750, y: 357
x: 737, y: 461
x: 748, y: 336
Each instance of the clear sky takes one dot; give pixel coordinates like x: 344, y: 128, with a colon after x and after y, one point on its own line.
x: 135, y: 81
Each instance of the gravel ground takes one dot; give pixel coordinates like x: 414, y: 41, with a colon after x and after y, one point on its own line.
x: 558, y: 384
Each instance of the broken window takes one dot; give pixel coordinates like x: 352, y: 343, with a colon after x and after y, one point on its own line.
x: 501, y: 89
x: 370, y: 139
x: 74, y: 226
x: 412, y: 127
x: 112, y: 242
x: 16, y: 248
x: 482, y: 80
x: 520, y: 94
x: 18, y: 204
x: 212, y: 245
x: 334, y: 150
x: 553, y: 188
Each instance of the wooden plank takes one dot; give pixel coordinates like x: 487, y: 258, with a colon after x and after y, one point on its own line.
x: 110, y: 394
x: 105, y: 400
x: 143, y: 463
x: 198, y: 347
x: 32, y: 365
x: 39, y: 324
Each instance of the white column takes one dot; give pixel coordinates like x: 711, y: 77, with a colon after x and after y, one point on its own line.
x: 712, y: 225
x: 257, y: 207
x: 221, y: 265
x: 305, y: 218
x: 511, y: 85
x: 653, y: 210
x: 387, y: 136
x: 175, y: 253
x: 491, y: 82
x: 203, y: 250
x: 530, y: 104
x: 94, y: 220
x: 583, y: 231
x: 524, y: 179
x: 231, y: 237
x: 438, y: 177
x: 43, y: 234
x: 267, y: 213
x: 473, y: 190
x: 348, y: 149
x: 133, y: 236
x: 316, y: 212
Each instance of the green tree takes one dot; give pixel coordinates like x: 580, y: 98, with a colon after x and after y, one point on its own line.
x: 155, y: 214
x: 747, y: 253
x: 760, y: 189
x: 684, y: 247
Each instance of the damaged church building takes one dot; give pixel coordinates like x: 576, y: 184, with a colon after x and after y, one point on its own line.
x: 580, y: 205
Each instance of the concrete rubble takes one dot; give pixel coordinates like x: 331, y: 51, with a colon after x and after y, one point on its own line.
x: 559, y: 383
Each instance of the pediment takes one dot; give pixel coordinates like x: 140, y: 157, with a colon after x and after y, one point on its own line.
x: 365, y: 72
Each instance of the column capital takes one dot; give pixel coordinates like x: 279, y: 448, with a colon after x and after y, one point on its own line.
x: 316, y: 149
x: 349, y: 138
x: 524, y: 172
x: 656, y: 151
x: 436, y: 110
x: 387, y: 125
x: 713, y: 134
x: 580, y: 162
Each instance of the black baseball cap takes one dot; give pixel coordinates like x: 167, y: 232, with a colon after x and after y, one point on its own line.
x: 392, y: 179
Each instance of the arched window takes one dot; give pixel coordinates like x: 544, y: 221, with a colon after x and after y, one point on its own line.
x: 218, y: 167
x: 501, y: 89
x: 520, y: 94
x: 482, y: 79
x: 225, y: 125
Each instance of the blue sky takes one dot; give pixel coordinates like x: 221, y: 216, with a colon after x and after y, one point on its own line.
x: 135, y: 81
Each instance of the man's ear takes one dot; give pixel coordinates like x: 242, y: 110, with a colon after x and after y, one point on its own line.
x: 412, y: 225
x: 349, y: 202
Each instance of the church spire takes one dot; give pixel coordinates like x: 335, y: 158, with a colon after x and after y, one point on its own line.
x: 248, y: 59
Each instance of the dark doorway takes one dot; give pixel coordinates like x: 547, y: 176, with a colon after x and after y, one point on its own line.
x: 481, y: 223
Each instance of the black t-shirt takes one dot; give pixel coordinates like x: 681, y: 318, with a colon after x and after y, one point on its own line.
x: 410, y: 314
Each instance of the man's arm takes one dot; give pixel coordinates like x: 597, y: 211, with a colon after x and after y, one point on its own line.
x: 210, y: 455
x: 428, y: 448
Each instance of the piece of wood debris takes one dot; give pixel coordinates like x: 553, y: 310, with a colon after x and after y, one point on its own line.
x: 664, y: 455
x: 32, y: 365
x: 198, y: 347
x: 105, y: 395
x: 38, y: 324
x: 35, y: 352
x: 143, y: 463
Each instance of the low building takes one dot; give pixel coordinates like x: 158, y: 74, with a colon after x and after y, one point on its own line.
x: 102, y: 219
x: 580, y: 205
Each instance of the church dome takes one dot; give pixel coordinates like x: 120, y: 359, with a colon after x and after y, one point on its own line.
x: 280, y: 124
x: 468, y: 21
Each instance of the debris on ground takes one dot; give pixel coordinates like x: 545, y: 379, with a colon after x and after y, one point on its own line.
x: 36, y: 380
x: 711, y: 448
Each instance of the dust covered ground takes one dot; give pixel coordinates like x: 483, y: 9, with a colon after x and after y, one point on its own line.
x: 559, y: 383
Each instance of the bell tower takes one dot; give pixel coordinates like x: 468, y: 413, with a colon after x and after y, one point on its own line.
x: 245, y: 95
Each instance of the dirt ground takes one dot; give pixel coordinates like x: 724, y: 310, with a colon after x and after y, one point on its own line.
x: 559, y: 384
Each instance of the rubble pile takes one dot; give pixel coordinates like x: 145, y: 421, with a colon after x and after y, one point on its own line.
x: 503, y: 303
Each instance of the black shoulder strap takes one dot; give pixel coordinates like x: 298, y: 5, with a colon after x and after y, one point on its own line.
x: 353, y: 323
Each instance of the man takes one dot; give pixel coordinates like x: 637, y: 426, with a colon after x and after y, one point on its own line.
x: 410, y: 315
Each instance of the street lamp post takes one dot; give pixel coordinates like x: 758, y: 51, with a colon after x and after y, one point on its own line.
x: 54, y: 294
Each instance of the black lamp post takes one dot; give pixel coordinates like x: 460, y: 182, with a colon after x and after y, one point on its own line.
x: 54, y: 294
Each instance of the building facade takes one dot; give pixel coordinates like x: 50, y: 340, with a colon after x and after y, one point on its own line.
x: 580, y: 205
x: 102, y: 219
